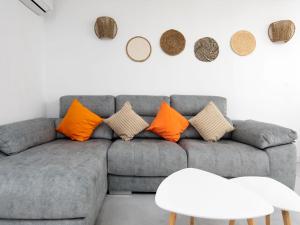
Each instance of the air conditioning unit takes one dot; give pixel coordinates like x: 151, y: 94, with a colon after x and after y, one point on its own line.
x: 39, y: 7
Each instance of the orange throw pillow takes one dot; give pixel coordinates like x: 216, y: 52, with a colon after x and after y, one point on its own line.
x: 168, y: 123
x: 79, y: 122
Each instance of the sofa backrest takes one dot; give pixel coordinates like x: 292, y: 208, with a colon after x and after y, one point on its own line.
x: 102, y: 105
x: 145, y: 105
x: 190, y: 105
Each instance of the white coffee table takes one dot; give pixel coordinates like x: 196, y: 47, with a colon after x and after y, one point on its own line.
x: 274, y: 192
x: 196, y: 193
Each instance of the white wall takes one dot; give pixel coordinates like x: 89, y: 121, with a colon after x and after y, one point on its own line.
x: 263, y: 86
x: 20, y: 63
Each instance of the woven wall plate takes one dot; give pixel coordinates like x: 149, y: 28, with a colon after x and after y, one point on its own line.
x: 138, y: 49
x: 206, y: 49
x: 172, y: 42
x: 243, y: 43
x: 105, y: 27
x: 281, y: 31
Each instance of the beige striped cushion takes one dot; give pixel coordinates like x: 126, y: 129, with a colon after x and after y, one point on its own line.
x: 126, y: 123
x: 210, y: 123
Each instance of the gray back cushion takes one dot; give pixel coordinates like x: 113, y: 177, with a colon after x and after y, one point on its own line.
x: 102, y: 105
x: 144, y: 105
x: 19, y: 136
x: 191, y: 105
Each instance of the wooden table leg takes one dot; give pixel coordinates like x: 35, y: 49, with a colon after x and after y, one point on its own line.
x: 172, y: 218
x: 286, y: 217
x: 231, y: 222
x: 268, y: 220
x: 251, y: 221
x: 192, y: 220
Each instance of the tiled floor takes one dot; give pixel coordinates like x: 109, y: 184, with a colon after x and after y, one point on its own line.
x: 141, y: 210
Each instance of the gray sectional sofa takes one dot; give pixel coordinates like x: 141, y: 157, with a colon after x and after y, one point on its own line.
x: 47, y: 179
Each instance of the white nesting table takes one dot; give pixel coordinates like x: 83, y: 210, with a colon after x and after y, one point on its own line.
x: 196, y: 193
x: 274, y: 192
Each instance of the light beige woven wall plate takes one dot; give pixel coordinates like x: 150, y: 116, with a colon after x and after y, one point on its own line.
x: 105, y: 27
x: 206, y: 49
x: 172, y: 42
x: 243, y: 42
x: 281, y: 31
x: 138, y: 49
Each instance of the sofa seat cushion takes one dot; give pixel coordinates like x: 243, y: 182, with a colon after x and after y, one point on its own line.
x: 57, y: 180
x: 2, y: 156
x: 145, y: 157
x: 226, y: 158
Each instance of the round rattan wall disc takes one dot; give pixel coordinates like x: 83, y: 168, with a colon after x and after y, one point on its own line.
x: 206, y: 49
x: 105, y: 27
x: 172, y: 42
x: 243, y: 43
x: 138, y: 49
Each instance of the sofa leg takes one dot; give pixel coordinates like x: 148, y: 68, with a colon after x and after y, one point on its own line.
x: 120, y: 192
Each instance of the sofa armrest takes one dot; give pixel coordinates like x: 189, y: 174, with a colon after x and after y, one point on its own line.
x: 19, y: 136
x: 283, y: 163
x: 262, y: 135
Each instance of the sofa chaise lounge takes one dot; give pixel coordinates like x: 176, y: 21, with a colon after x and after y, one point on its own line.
x: 47, y: 179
